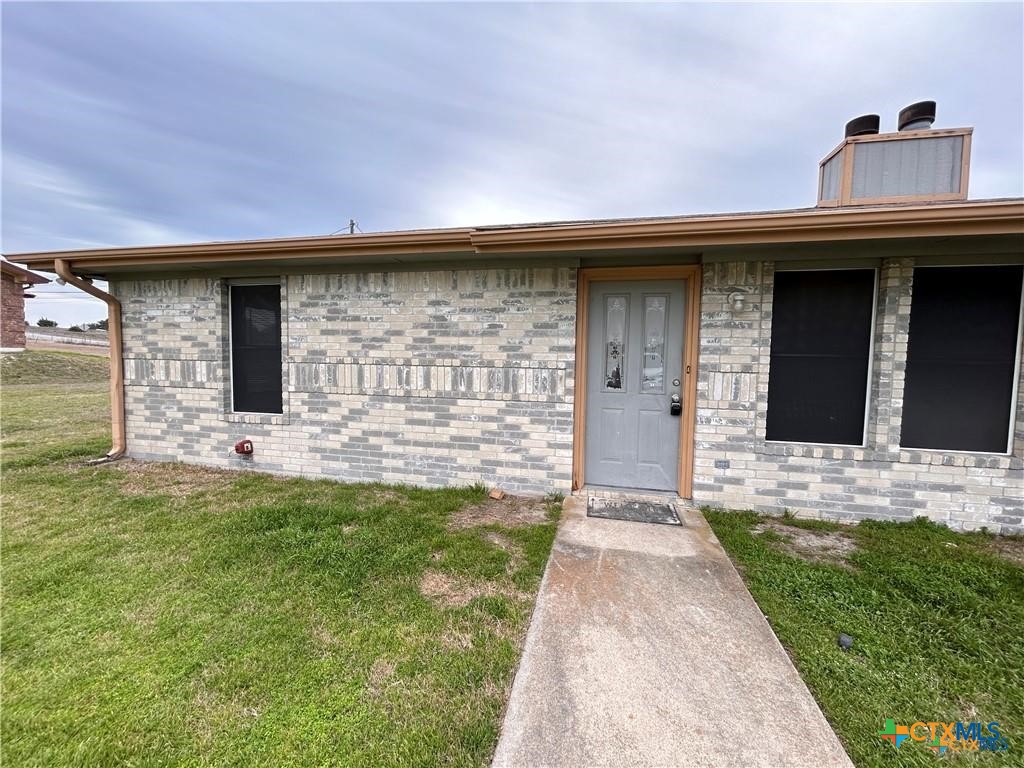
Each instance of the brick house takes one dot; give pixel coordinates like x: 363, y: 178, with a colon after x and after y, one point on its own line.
x: 13, y: 282
x: 858, y: 359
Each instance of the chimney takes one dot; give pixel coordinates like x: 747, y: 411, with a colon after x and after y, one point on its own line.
x: 915, y: 164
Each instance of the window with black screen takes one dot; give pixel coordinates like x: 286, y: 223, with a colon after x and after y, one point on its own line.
x: 820, y: 355
x: 961, y: 358
x: 256, y: 348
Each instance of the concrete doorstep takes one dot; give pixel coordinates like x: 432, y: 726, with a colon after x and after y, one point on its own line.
x: 646, y: 649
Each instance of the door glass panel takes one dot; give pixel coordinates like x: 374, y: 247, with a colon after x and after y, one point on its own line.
x: 652, y: 379
x: 616, y: 309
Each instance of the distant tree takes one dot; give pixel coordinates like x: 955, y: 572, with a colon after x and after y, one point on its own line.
x: 98, y: 326
x: 76, y: 329
x: 43, y: 322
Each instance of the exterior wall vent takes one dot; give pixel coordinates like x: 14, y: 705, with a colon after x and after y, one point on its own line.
x: 916, y: 164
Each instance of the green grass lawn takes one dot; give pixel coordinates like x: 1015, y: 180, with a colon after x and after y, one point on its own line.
x: 53, y: 405
x: 169, y: 615
x: 937, y: 619
x: 162, y: 614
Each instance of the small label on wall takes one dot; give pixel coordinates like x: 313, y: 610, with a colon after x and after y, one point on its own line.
x: 721, y: 463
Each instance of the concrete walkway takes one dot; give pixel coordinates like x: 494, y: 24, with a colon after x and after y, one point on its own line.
x: 646, y: 649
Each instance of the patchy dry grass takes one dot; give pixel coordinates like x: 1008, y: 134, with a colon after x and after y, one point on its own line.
x: 144, y: 478
x: 504, y: 543
x: 453, y: 591
x: 811, y: 544
x: 1009, y: 547
x: 509, y: 512
x: 163, y: 614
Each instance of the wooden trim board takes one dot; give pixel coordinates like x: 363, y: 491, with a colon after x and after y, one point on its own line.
x: 395, y: 249
x: 691, y: 274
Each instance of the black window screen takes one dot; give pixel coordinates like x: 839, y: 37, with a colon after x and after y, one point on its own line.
x: 961, y: 353
x: 256, y: 348
x: 821, y: 342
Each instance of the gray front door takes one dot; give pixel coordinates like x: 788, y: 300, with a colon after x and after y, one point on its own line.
x: 634, y: 367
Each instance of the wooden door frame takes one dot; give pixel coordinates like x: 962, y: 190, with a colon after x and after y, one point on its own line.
x: 691, y: 273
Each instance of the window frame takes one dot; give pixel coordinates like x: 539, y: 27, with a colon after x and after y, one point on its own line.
x: 241, y: 282
x: 1017, y: 362
x: 871, y: 352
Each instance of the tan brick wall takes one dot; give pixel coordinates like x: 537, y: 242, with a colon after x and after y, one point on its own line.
x: 735, y: 467
x: 460, y: 376
x: 434, y: 378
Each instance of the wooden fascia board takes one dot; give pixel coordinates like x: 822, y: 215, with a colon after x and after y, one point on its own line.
x: 349, y: 246
x: 341, y: 257
x: 936, y: 220
x: 918, y: 221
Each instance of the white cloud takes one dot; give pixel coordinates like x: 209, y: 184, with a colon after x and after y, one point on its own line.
x: 674, y: 109
x: 65, y: 212
x: 132, y: 123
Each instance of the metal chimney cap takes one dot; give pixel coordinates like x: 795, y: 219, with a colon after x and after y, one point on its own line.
x: 863, y: 125
x: 919, y: 116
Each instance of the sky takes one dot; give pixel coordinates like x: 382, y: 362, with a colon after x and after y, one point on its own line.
x: 147, y: 123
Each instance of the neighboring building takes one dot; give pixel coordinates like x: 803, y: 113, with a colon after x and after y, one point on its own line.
x: 13, y: 282
x: 860, y: 359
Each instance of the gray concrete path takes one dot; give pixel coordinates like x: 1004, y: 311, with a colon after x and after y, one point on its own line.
x: 646, y: 649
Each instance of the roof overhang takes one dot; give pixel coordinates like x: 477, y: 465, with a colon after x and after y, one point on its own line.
x: 691, y: 233
x: 20, y: 275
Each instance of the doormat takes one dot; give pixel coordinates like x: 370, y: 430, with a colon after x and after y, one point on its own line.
x: 634, y: 511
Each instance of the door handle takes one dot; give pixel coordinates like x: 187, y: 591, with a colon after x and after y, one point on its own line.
x: 675, y: 408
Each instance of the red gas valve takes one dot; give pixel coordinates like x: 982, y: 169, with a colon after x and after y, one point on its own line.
x: 244, y: 447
